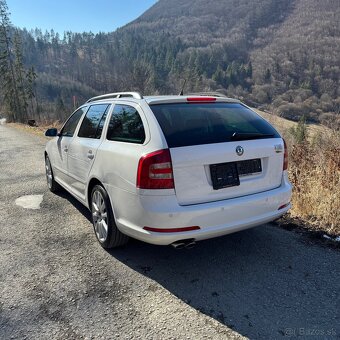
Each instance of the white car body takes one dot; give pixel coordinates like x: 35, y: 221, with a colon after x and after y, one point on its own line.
x: 79, y: 162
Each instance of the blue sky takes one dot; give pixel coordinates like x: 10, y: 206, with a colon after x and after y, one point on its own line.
x: 76, y: 15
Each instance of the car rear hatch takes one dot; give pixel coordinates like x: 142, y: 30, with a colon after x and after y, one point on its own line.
x: 219, y: 150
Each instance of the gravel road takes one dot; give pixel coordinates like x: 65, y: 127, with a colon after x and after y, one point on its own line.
x: 56, y: 281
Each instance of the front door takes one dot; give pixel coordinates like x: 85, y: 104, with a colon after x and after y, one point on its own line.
x: 83, y: 148
x: 59, y: 154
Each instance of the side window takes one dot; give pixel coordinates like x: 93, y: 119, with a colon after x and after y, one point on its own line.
x: 92, y: 125
x: 126, y: 125
x: 71, y: 125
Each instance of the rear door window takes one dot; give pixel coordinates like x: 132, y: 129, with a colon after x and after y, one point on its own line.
x: 126, y: 125
x: 93, y: 122
x: 186, y: 124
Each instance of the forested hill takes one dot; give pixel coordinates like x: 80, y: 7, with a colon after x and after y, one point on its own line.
x: 279, y: 54
x: 202, y: 23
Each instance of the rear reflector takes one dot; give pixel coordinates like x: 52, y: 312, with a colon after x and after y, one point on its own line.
x: 155, y: 171
x: 283, y: 206
x: 171, y: 230
x: 201, y: 99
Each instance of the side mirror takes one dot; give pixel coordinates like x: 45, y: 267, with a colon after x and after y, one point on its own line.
x: 53, y: 132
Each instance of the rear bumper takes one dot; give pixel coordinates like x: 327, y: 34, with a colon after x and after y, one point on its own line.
x: 133, y: 212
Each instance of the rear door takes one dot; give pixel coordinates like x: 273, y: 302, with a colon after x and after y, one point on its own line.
x: 83, y: 148
x: 127, y: 131
x: 219, y: 150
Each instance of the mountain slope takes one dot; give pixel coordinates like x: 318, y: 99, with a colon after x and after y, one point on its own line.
x: 303, y: 59
x: 278, y: 54
x: 205, y: 22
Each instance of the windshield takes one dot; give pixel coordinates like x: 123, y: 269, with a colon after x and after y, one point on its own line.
x: 186, y: 124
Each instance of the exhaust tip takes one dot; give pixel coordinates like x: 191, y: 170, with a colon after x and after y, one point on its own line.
x: 178, y: 245
x: 189, y: 244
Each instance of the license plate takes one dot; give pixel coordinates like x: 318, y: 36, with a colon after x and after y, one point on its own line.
x: 249, y: 167
x: 226, y: 175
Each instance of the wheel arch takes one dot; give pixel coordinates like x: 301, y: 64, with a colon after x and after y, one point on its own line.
x: 93, y: 182
x: 120, y: 238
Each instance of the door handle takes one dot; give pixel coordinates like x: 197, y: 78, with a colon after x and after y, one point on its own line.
x: 90, y: 155
x: 65, y: 149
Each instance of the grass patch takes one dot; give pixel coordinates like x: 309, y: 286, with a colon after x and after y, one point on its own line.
x: 36, y: 130
x: 315, y: 174
x: 314, y: 170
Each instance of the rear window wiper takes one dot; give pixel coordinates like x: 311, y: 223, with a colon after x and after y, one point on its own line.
x: 249, y: 135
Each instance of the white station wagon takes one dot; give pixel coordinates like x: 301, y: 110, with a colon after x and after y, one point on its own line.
x: 170, y: 169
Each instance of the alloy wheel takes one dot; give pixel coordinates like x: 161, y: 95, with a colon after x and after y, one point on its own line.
x: 99, y: 215
x: 49, y: 175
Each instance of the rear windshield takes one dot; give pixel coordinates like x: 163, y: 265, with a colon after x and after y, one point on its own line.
x: 186, y: 124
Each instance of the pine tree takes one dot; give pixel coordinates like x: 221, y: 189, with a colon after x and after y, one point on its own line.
x: 20, y: 75
x: 300, y: 132
x: 15, y: 89
x: 60, y: 108
x: 7, y: 73
x: 30, y: 90
x: 268, y: 76
x: 249, y: 70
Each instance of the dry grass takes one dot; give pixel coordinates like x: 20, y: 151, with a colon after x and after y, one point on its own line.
x: 315, y: 174
x: 36, y: 130
x: 314, y: 170
x: 283, y: 125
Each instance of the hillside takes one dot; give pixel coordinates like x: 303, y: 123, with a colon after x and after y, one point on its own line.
x: 204, y: 23
x: 277, y: 55
x: 302, y: 56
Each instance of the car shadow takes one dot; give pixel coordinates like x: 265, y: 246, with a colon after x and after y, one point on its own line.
x: 79, y: 206
x: 264, y: 282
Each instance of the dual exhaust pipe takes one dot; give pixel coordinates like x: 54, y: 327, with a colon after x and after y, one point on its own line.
x: 188, y: 244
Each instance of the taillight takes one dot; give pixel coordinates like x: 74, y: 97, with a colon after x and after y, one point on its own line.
x: 201, y: 99
x: 155, y: 171
x: 285, y: 157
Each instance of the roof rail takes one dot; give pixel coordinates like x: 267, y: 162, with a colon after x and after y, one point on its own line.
x: 214, y: 94
x: 135, y: 95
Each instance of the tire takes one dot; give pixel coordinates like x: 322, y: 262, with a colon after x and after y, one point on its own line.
x: 51, y: 183
x: 104, y: 225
